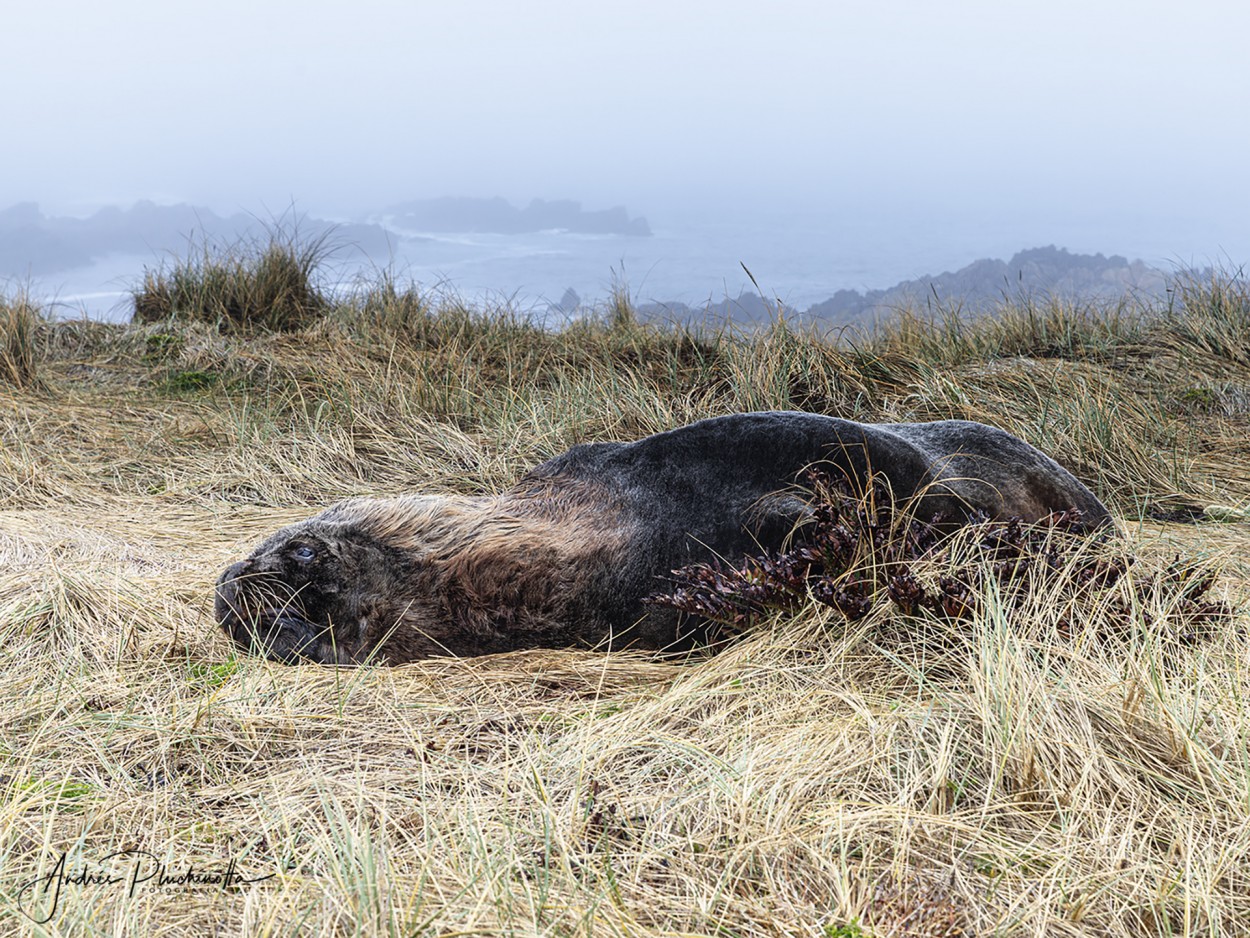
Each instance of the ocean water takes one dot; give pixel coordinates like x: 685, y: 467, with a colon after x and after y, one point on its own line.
x: 800, y: 261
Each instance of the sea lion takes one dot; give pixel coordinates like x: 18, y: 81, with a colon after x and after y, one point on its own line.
x: 568, y: 554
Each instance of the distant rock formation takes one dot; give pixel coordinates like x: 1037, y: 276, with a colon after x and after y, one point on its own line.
x: 570, y: 301
x: 746, y: 308
x: 32, y: 243
x: 29, y: 245
x: 985, y: 284
x: 498, y: 216
x: 980, y: 287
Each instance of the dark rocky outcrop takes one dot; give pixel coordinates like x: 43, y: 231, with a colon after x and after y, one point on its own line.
x: 980, y: 287
x: 984, y: 284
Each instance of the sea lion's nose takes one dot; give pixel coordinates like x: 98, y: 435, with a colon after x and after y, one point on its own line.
x: 233, y: 571
x: 226, y: 593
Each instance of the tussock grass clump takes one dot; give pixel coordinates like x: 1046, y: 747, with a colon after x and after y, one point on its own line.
x: 383, y: 307
x: 1211, y: 316
x: 20, y: 321
x: 241, y: 287
x: 1055, y: 329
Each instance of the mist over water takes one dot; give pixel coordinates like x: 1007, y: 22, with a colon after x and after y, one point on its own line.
x: 692, y: 257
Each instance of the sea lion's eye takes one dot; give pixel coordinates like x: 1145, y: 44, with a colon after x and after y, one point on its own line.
x: 304, y: 554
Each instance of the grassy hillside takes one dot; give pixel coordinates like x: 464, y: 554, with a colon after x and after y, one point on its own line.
x: 1031, y: 770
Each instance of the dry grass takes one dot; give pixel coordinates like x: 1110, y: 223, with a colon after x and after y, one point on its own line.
x: 895, y: 776
x: 242, y: 286
x: 20, y: 320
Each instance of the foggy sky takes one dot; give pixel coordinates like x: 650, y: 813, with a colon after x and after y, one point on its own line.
x: 1014, y: 113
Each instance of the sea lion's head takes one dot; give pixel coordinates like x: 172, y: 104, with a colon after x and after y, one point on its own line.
x: 347, y: 586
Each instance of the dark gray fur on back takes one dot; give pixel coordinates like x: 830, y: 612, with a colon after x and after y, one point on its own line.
x: 702, y: 491
x: 706, y: 476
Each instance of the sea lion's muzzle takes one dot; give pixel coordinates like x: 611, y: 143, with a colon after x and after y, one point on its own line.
x: 260, y: 620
